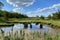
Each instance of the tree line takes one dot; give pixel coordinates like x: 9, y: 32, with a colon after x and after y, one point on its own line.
x: 12, y: 14
x: 55, y: 15
x: 5, y: 15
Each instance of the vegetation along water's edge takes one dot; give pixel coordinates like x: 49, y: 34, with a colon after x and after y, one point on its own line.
x: 6, y: 18
x: 52, y: 23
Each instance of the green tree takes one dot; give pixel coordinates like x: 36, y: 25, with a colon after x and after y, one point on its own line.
x: 11, y: 14
x: 56, y: 15
x: 42, y: 17
x: 49, y: 17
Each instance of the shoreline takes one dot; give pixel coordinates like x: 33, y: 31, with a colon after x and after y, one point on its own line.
x: 52, y: 23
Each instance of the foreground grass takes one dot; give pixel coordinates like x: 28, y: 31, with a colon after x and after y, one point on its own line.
x: 26, y: 35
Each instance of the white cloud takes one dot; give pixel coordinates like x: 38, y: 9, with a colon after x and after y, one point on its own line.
x: 17, y: 10
x: 46, y: 10
x: 30, y: 14
x: 55, y: 6
x: 24, y: 3
x: 20, y: 3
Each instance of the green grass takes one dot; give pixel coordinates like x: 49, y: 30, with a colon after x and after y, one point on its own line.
x: 55, y: 23
x: 3, y: 24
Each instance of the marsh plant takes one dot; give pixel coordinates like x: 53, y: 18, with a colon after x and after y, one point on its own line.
x: 29, y: 35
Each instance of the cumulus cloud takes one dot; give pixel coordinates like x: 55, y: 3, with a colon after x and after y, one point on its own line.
x: 20, y: 3
x: 17, y: 10
x: 49, y: 8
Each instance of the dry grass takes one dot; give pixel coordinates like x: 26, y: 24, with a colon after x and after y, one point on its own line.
x: 30, y: 35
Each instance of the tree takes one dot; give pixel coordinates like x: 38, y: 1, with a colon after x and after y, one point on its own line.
x: 55, y: 15
x: 1, y: 5
x: 37, y: 16
x: 42, y: 17
x: 7, y: 14
x: 49, y: 17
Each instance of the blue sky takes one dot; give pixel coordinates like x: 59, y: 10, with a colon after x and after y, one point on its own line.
x: 32, y: 7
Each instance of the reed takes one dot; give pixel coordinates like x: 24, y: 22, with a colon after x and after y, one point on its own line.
x: 32, y: 35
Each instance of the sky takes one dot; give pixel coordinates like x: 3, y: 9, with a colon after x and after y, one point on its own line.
x: 32, y: 8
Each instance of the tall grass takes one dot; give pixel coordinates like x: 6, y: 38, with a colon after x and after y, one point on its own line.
x: 29, y: 35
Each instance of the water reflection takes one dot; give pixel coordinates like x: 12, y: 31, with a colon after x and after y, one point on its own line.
x: 41, y: 25
x: 31, y: 26
x: 25, y: 26
x: 37, y: 23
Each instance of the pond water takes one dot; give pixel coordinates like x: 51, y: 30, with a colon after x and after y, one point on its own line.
x: 31, y: 26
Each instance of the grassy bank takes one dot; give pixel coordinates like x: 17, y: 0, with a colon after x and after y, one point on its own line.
x: 4, y: 24
x: 53, y: 23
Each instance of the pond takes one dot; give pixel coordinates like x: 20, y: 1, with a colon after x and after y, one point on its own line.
x: 32, y: 26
